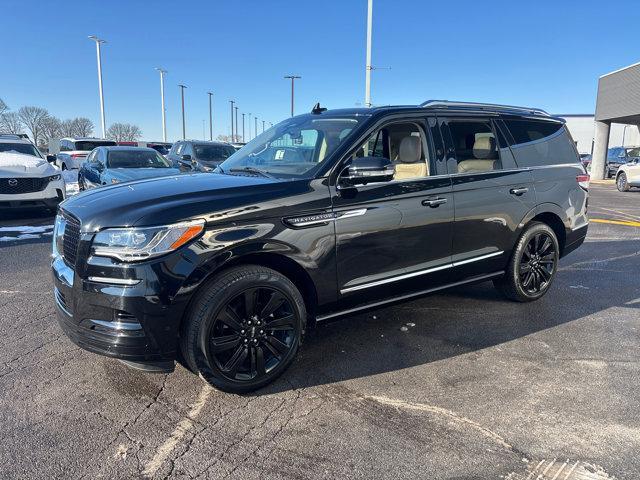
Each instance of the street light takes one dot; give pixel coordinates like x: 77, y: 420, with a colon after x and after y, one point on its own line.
x: 256, y: 129
x: 293, y: 79
x: 98, y: 55
x: 249, y: 117
x: 237, y: 131
x: 368, y: 68
x: 184, y: 127
x: 231, y: 102
x: 164, y: 120
x: 210, y: 116
x: 263, y: 126
x: 243, y: 128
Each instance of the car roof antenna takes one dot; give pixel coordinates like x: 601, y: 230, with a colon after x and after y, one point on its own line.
x: 317, y: 109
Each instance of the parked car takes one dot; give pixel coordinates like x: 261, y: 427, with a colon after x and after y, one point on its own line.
x: 71, y: 152
x: 27, y: 179
x: 585, y: 158
x: 327, y: 214
x: 618, y: 156
x: 198, y: 155
x: 110, y: 165
x: 628, y: 175
x: 238, y: 145
x: 161, y: 147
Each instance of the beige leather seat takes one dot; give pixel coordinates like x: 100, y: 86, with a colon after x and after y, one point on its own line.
x: 484, y: 151
x: 410, y: 163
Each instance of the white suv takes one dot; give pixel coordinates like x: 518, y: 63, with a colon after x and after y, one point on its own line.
x: 71, y: 152
x: 628, y: 175
x: 27, y: 179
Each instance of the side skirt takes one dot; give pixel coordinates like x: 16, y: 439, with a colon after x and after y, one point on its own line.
x: 477, y: 278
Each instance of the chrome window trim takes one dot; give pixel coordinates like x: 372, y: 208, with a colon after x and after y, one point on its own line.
x: 404, y: 276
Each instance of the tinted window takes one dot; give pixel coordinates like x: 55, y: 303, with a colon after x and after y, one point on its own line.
x: 24, y: 148
x: 213, y: 153
x: 91, y: 144
x: 475, y: 146
x: 136, y: 159
x: 64, y: 146
x: 541, y: 143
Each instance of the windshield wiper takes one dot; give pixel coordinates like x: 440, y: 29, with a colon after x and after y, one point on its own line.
x: 253, y: 170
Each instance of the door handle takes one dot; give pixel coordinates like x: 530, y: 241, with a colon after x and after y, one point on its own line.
x: 518, y: 191
x: 434, y: 202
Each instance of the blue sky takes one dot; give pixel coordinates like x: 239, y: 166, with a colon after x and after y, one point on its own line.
x: 547, y: 54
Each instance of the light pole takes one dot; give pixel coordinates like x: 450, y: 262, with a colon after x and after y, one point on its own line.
x: 98, y: 55
x: 231, y: 102
x: 184, y: 127
x: 263, y: 126
x: 164, y: 119
x: 367, y: 86
x: 210, y: 116
x: 249, y: 117
x: 243, y: 128
x: 293, y: 79
x: 237, y: 131
x: 256, y: 125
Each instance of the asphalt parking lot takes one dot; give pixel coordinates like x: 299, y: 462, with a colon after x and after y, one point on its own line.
x: 459, y: 385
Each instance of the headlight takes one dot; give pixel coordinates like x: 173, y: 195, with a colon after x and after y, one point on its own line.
x: 53, y: 178
x: 115, y: 180
x: 132, y: 244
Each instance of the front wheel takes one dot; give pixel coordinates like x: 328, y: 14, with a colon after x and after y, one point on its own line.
x: 244, y: 329
x: 533, y: 264
x: 621, y: 182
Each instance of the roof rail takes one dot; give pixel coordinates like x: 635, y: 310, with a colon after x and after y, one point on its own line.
x: 484, y: 106
x: 15, y: 136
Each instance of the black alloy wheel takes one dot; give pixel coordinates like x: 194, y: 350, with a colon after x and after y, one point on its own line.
x: 252, y: 333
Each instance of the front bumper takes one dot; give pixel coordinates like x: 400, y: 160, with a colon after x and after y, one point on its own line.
x: 136, y: 323
x: 50, y: 197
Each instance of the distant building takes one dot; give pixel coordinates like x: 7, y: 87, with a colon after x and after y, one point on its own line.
x: 582, y: 130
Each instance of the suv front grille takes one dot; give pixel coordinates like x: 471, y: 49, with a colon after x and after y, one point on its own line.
x: 10, y: 186
x: 70, y: 240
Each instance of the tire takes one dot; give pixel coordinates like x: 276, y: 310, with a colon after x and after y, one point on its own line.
x: 533, y: 264
x: 81, y: 186
x: 226, y: 336
x: 621, y: 182
x: 64, y: 166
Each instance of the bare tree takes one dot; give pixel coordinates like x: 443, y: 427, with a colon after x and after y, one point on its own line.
x: 10, y: 123
x: 82, y: 127
x: 124, y: 132
x: 67, y: 128
x: 51, y: 128
x: 229, y: 138
x: 3, y: 107
x: 33, y: 119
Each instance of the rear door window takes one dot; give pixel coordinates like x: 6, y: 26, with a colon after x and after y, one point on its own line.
x: 540, y: 143
x: 475, y: 146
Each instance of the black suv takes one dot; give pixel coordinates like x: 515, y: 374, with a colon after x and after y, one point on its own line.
x: 198, y: 155
x: 324, y: 215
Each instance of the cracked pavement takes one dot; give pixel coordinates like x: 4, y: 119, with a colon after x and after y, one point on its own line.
x: 477, y: 388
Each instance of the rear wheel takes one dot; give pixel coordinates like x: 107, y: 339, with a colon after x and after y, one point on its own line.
x: 244, y: 329
x: 64, y: 166
x: 621, y: 182
x: 532, y: 266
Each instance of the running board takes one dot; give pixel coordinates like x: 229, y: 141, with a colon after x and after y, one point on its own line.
x: 478, y: 278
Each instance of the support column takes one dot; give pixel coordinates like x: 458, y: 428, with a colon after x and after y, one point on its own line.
x: 600, y: 147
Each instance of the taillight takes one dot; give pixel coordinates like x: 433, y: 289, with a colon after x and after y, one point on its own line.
x: 78, y: 155
x: 583, y: 181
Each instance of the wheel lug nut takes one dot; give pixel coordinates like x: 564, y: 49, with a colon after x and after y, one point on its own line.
x: 249, y: 322
x: 242, y: 332
x: 261, y: 332
x: 246, y: 341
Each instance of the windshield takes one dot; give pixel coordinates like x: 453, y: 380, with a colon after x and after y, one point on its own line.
x: 90, y: 145
x: 293, y: 148
x: 136, y: 159
x: 25, y: 148
x: 633, y: 152
x: 161, y: 149
x: 213, y: 153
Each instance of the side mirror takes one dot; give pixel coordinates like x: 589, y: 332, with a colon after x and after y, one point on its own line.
x: 186, y: 158
x: 51, y: 158
x: 365, y: 170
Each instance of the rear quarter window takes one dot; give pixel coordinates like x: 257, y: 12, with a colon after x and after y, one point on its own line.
x: 540, y: 143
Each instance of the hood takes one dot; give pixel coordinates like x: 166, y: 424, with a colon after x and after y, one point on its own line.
x: 21, y: 165
x: 130, y: 174
x: 165, y: 200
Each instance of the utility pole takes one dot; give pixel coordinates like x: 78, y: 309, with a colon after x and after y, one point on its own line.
x: 232, y: 133
x: 367, y: 86
x: 293, y: 79
x: 184, y: 126
x: 210, y: 116
x: 237, y: 131
x: 99, y: 57
x: 243, y: 128
x: 164, y: 119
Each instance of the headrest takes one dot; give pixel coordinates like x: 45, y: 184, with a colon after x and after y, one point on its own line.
x: 410, y: 150
x: 484, y: 147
